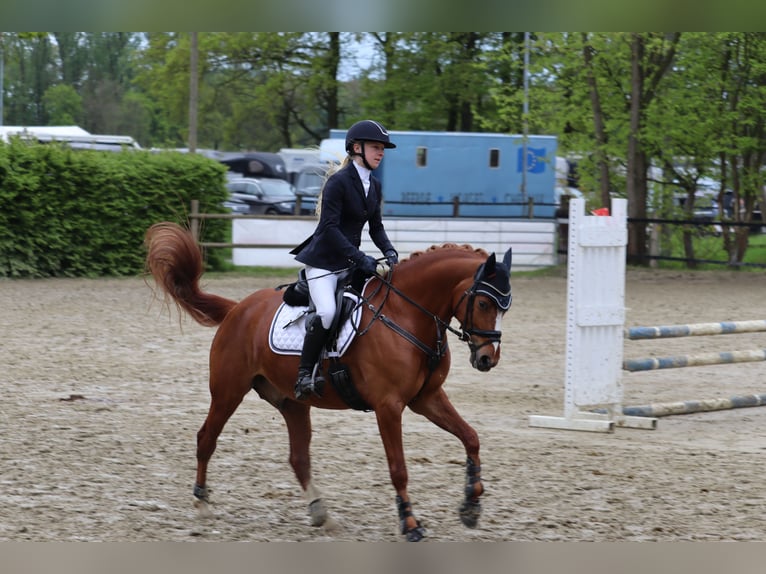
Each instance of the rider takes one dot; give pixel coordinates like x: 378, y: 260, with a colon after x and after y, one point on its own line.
x: 350, y: 197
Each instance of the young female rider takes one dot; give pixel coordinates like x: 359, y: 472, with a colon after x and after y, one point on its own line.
x: 350, y: 198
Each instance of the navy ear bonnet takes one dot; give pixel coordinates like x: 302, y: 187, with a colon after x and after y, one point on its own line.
x: 493, y: 279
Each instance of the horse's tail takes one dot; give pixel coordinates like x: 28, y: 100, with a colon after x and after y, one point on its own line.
x: 174, y: 260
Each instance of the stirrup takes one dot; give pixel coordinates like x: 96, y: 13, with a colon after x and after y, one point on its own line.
x: 309, y: 383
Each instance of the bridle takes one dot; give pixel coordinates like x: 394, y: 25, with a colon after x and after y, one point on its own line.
x: 497, y: 292
x: 466, y: 332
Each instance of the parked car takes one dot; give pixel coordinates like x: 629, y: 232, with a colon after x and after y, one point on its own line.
x: 236, y: 206
x: 266, y: 196
x: 260, y: 165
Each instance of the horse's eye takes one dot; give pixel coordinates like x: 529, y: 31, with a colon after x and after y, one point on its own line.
x: 483, y: 305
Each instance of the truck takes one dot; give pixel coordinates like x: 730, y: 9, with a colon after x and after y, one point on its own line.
x: 443, y: 174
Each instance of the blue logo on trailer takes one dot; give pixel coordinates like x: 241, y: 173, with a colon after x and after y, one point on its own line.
x: 535, y: 160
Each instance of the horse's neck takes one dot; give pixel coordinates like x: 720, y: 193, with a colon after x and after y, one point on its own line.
x: 437, y: 286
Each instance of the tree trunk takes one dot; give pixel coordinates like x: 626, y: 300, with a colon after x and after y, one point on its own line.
x: 332, y: 95
x: 598, y: 124
x: 636, y: 195
x: 193, y: 92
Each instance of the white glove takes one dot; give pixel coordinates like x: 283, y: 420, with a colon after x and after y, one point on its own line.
x: 382, y: 268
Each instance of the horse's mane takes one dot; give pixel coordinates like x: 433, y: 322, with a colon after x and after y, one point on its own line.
x: 447, y: 247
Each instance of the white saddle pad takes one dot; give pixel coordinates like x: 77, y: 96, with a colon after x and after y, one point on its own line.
x: 288, y: 329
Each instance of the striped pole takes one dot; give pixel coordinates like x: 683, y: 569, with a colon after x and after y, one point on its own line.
x: 726, y: 357
x: 695, y: 329
x: 695, y: 406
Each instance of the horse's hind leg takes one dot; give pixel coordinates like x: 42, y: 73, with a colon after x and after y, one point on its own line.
x: 437, y: 408
x: 298, y: 420
x: 222, y: 406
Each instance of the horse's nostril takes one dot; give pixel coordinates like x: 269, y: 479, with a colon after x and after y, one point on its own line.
x: 485, y: 363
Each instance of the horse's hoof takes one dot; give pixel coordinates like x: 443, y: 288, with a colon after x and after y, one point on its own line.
x: 317, y: 512
x: 415, y: 534
x: 203, y: 509
x: 470, y: 512
x: 332, y: 526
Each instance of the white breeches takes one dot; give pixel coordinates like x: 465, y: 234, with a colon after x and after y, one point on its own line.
x: 322, y: 284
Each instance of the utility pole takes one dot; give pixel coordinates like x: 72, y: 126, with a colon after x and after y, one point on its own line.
x: 193, y: 93
x: 524, y: 120
x: 2, y: 75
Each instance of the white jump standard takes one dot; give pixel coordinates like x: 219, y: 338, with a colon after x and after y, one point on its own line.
x: 595, y: 322
x: 595, y: 335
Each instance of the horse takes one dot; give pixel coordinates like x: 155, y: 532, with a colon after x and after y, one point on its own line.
x: 399, y: 358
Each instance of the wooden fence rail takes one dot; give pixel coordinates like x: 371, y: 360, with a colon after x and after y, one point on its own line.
x: 195, y: 217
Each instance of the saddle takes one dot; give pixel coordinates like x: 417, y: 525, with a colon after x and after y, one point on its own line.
x: 350, y: 282
x: 288, y: 329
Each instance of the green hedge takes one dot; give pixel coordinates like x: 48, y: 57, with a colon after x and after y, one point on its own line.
x: 81, y: 213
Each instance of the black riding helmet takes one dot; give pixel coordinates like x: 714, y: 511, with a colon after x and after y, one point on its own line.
x: 367, y: 130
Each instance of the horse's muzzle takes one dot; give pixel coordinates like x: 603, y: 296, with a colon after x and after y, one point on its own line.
x: 483, y: 362
x: 484, y: 355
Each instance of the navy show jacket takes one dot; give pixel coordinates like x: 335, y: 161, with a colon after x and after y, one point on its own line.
x: 344, y: 211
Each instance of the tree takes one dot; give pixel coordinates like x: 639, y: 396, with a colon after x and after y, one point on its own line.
x: 601, y: 139
x: 651, y: 56
x: 63, y: 105
x: 502, y: 111
x: 274, y: 89
x: 618, y: 78
x: 29, y: 72
x: 73, y: 56
x: 683, y: 122
x: 162, y: 74
x: 428, y: 80
x: 742, y: 151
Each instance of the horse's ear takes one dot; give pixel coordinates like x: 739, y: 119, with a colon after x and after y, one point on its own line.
x: 507, y: 258
x: 489, y: 266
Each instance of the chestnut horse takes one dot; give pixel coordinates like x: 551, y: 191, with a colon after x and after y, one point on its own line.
x: 399, y: 358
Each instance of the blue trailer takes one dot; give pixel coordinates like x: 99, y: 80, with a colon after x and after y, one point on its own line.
x: 428, y: 170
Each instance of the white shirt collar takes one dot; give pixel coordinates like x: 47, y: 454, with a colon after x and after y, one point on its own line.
x: 363, y: 172
x: 364, y: 175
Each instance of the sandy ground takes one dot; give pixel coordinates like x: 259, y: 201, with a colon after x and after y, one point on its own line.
x: 103, y: 393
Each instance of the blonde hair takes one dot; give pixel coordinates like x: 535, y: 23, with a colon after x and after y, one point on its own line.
x: 335, y: 167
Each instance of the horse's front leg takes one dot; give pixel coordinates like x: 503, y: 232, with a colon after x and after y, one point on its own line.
x: 390, y: 426
x: 437, y: 408
x: 298, y: 420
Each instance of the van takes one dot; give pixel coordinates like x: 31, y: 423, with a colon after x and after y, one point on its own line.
x: 310, y: 179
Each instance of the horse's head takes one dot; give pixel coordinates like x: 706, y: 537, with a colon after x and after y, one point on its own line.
x: 486, y: 301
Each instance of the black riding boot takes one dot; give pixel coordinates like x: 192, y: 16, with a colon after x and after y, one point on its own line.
x: 316, y: 337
